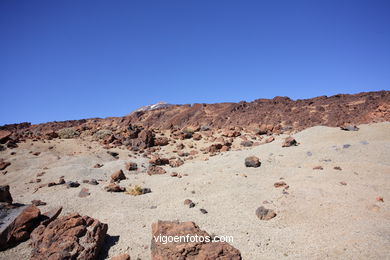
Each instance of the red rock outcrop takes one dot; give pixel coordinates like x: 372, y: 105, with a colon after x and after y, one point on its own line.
x: 205, y: 250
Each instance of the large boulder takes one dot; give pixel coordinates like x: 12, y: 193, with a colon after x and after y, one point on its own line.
x: 118, y: 176
x: 144, y: 140
x: 68, y: 237
x: 16, y: 223
x: 198, y: 246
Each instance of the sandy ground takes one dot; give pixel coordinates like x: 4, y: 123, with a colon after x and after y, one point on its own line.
x: 319, y: 218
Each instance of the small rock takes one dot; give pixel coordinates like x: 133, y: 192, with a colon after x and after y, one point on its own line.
x: 252, y: 161
x: 380, y: 199
x: 343, y: 183
x: 203, y: 211
x: 319, y: 167
x: 346, y: 146
x: 289, y: 141
x: 280, y: 184
x: 112, y: 187
x: 4, y: 164
x: 247, y: 143
x: 349, y: 128
x: 118, y: 176
x: 338, y: 168
x: 38, y: 203
x: 98, y: 165
x: 121, y: 257
x: 153, y: 170
x: 5, y: 195
x: 131, y: 166
x: 265, y: 214
x: 72, y: 184
x: 84, y: 193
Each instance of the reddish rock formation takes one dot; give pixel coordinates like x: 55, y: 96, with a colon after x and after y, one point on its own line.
x: 252, y: 161
x: 202, y: 250
x: 17, y: 222
x: 68, y: 237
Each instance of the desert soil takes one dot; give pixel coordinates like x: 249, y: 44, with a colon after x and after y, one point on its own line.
x: 324, y: 214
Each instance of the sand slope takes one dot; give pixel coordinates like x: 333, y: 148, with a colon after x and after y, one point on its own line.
x: 319, y: 217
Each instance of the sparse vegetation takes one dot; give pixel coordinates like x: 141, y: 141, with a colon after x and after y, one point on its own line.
x: 137, y: 190
x: 102, y: 134
x: 67, y: 133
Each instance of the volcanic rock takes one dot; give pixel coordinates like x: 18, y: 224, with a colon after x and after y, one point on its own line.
x: 118, y: 176
x: 4, y: 164
x: 265, y: 214
x: 252, y: 161
x: 153, y: 170
x: 68, y: 237
x: 16, y: 224
x: 5, y: 195
x: 182, y: 249
x: 289, y: 141
x: 112, y: 187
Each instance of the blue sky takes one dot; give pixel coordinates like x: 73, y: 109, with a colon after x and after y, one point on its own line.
x: 73, y: 59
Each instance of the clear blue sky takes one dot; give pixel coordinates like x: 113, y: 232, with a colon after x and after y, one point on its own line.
x: 76, y: 59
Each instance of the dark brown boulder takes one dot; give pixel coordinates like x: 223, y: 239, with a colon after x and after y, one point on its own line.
x: 68, y: 237
x: 252, y: 161
x: 5, y: 195
x: 199, y: 247
x: 16, y: 224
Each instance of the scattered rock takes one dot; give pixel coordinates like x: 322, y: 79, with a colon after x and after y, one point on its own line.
x: 343, y: 183
x: 153, y: 170
x: 349, y: 128
x: 51, y: 215
x: 121, y: 257
x: 68, y: 237
x: 4, y: 164
x: 38, y: 203
x: 158, y: 161
x: 113, y: 154
x: 346, y: 146
x: 252, y: 161
x: 197, y: 136
x: 131, y: 166
x: 5, y: 195
x: 289, y: 141
x: 84, y: 193
x: 338, y: 168
x: 203, y: 211
x: 247, y: 143
x: 37, y: 153
x: 98, y: 165
x: 184, y: 249
x: 72, y: 184
x: 319, y: 167
x: 264, y: 213
x: 380, y: 199
x: 161, y: 141
x: 176, y: 163
x: 118, y: 176
x: 269, y: 139
x: 280, y: 184
x: 112, y: 187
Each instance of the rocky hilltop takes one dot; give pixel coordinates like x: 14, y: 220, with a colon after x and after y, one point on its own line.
x: 276, y: 116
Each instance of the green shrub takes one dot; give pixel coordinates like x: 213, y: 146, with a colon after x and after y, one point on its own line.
x: 102, y: 133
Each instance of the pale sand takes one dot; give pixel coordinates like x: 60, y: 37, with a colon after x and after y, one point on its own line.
x: 318, y: 219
